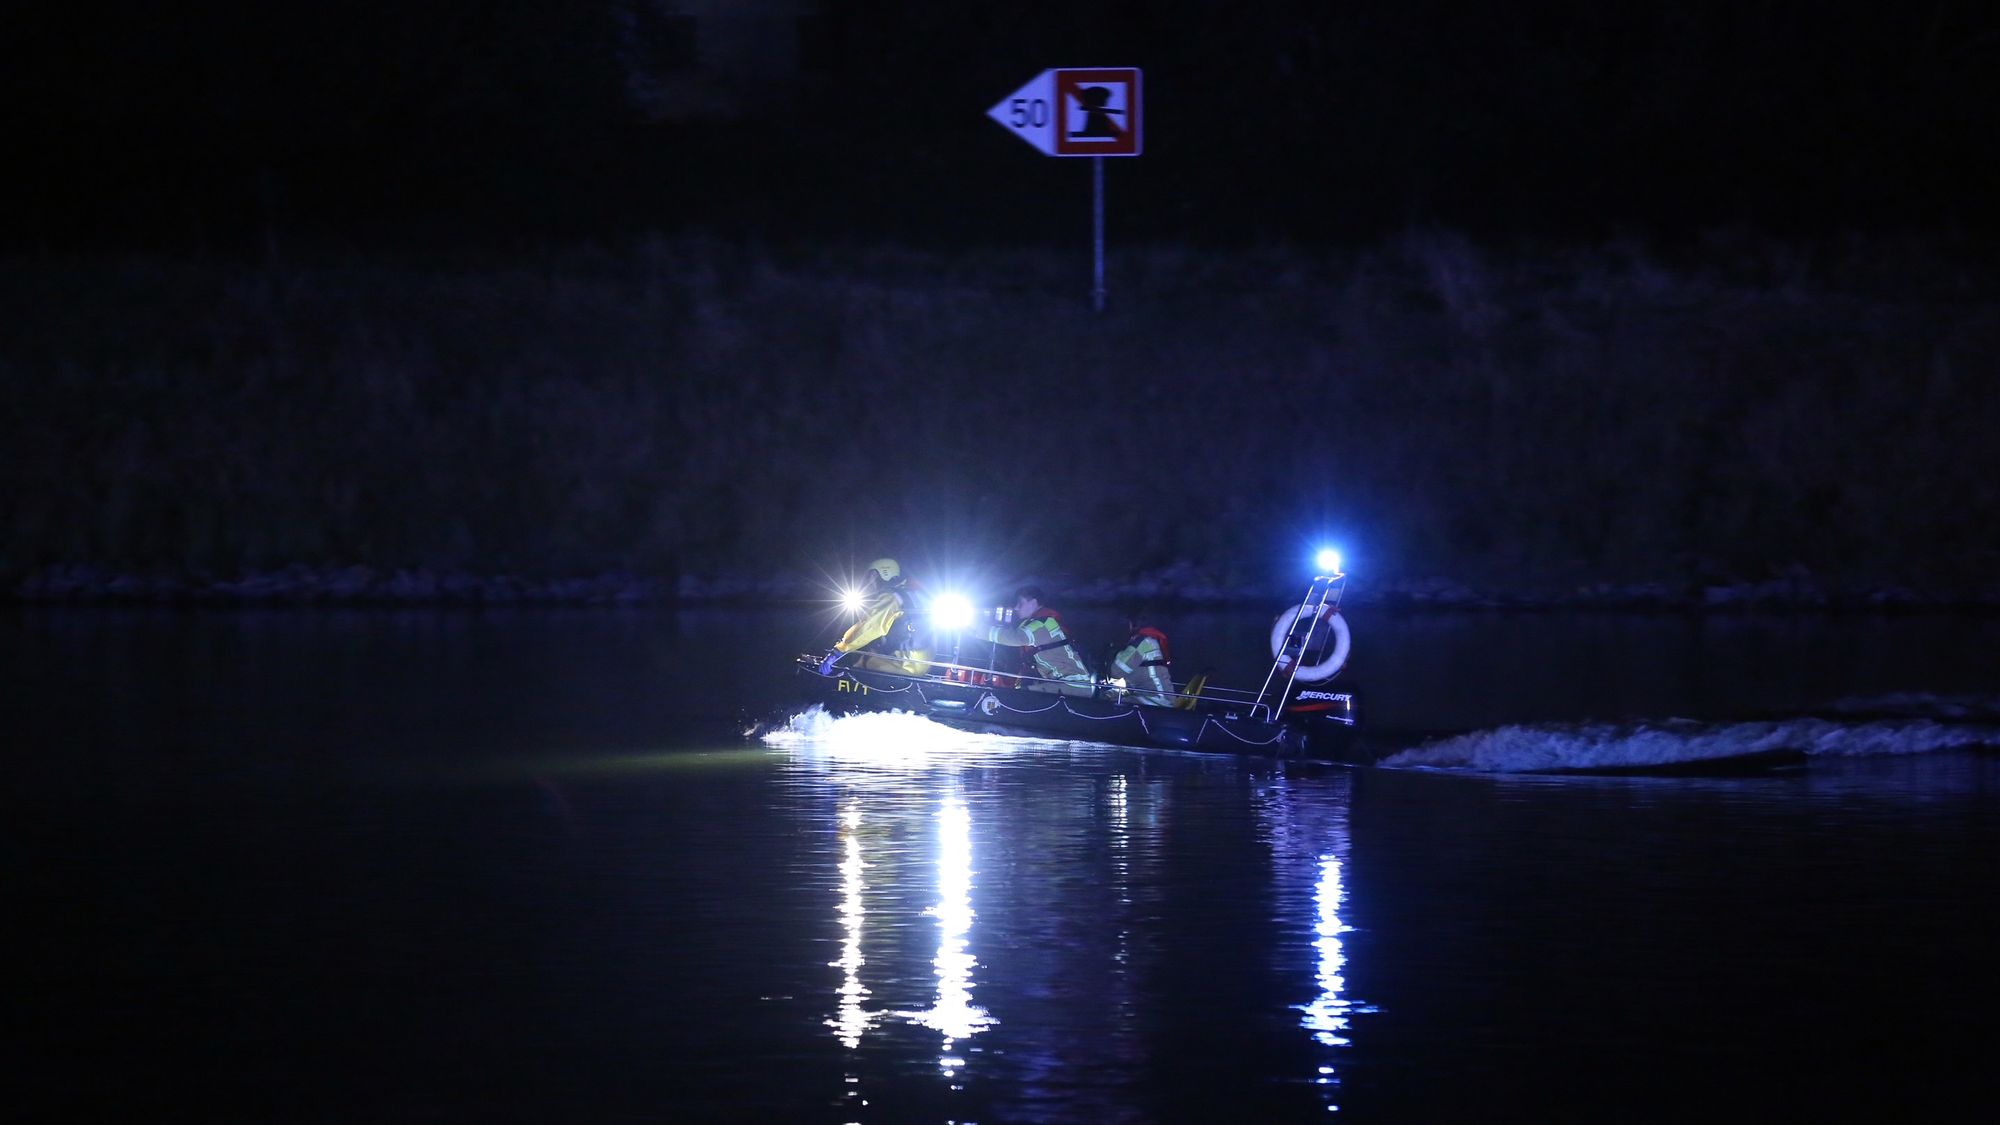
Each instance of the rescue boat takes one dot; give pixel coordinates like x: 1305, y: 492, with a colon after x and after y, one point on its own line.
x: 1296, y: 713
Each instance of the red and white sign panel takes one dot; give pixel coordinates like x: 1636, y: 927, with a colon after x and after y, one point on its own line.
x: 1097, y: 112
x: 1076, y: 111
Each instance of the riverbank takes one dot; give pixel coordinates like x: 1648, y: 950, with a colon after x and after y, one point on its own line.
x: 1180, y: 588
x: 1810, y: 423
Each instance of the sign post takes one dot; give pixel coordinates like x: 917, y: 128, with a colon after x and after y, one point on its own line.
x: 1080, y: 111
x: 1097, y: 234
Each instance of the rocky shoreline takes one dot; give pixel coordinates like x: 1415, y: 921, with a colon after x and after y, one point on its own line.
x: 1181, y: 587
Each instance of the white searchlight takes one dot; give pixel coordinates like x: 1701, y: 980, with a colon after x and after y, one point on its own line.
x: 951, y: 612
x: 850, y: 600
x: 1328, y: 561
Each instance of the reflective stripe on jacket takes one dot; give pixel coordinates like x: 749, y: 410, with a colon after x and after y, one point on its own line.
x: 1055, y: 656
x: 1143, y: 665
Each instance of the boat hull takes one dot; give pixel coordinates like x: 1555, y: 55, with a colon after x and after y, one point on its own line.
x: 1315, y: 734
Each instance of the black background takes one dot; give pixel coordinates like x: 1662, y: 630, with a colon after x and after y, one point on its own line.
x: 201, y: 124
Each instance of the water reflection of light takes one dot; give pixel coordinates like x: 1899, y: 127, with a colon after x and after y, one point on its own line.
x: 954, y: 1015
x: 1327, y: 1016
x: 1308, y: 827
x: 853, y: 1019
x: 1120, y: 809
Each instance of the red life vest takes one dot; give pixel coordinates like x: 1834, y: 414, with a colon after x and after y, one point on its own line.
x: 1166, y: 654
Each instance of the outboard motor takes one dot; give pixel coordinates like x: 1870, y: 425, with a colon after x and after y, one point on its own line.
x: 1328, y: 718
x: 1333, y: 706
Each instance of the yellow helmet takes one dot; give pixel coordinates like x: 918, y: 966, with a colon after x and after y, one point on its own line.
x: 887, y: 568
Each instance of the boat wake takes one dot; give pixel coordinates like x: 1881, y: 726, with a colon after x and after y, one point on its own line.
x: 1875, y: 726
x: 814, y: 726
x: 887, y: 737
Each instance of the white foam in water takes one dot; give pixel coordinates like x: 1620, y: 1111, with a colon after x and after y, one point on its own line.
x: 815, y: 725
x: 1560, y: 746
x: 891, y: 738
x: 895, y: 739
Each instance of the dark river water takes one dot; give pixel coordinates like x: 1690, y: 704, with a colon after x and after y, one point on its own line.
x: 526, y: 866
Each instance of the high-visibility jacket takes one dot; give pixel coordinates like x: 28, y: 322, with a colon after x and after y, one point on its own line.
x: 1054, y: 655
x: 1143, y: 664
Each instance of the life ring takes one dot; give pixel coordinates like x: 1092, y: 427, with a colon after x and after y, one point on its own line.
x: 1329, y: 618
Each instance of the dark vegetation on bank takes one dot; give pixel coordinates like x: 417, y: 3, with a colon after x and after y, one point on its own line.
x: 699, y: 419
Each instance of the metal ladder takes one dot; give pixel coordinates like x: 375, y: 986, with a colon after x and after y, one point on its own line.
x: 1324, y: 590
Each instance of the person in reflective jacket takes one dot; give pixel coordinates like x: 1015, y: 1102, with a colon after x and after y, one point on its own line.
x: 888, y: 607
x: 1039, y: 629
x: 1143, y: 664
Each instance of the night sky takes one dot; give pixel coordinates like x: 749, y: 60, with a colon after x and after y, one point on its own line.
x: 1653, y: 292
x: 209, y: 123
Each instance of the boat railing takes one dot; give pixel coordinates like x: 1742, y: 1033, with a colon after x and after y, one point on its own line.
x: 975, y: 675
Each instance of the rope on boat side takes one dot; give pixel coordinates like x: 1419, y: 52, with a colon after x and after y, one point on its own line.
x: 1100, y: 718
x: 1206, y: 723
x: 1059, y: 702
x: 1062, y: 702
